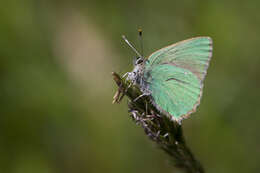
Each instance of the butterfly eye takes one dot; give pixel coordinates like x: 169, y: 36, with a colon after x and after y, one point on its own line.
x: 139, y: 61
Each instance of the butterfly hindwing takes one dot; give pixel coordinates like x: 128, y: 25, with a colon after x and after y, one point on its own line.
x: 174, y: 75
x: 174, y: 90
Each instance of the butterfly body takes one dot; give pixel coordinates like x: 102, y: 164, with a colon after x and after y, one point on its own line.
x: 173, y: 76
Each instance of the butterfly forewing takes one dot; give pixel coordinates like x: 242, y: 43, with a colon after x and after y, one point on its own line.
x: 192, y: 54
x: 174, y: 75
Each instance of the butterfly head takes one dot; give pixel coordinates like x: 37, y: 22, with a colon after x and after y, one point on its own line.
x: 138, y: 60
x: 135, y: 75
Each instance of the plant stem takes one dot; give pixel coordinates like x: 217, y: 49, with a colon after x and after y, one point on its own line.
x: 158, y: 127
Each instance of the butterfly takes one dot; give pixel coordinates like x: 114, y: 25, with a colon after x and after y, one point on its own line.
x: 173, y: 76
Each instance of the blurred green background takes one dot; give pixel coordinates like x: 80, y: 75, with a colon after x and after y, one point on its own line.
x: 56, y: 59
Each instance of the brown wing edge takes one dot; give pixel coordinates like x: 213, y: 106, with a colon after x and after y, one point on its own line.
x: 183, y: 41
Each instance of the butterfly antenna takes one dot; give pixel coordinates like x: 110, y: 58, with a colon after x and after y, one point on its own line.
x: 129, y: 44
x: 140, y: 32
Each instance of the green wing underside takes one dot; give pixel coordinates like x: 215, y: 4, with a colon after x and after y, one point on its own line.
x: 174, y: 90
x: 174, y: 75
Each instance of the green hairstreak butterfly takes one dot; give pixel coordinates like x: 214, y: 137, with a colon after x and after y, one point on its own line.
x: 173, y: 76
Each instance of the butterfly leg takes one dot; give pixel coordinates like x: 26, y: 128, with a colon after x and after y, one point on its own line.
x: 126, y: 74
x: 144, y: 94
x: 131, y: 83
x: 146, y: 107
x: 129, y: 86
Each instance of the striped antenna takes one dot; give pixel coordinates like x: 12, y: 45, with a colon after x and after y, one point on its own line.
x: 130, y: 45
x: 140, y: 32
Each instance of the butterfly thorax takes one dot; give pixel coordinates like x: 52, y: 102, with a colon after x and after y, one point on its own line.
x: 137, y: 77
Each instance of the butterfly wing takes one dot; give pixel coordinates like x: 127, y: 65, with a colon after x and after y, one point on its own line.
x: 174, y: 75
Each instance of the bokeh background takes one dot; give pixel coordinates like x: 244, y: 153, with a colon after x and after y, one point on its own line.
x: 56, y: 59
